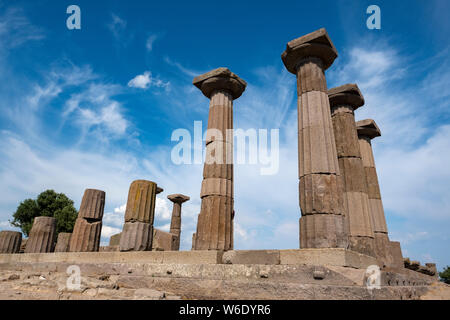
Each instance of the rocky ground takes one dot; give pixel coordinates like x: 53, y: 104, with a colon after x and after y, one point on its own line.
x: 52, y: 286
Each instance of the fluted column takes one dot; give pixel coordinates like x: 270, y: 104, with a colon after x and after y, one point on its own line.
x: 322, y: 221
x: 368, y: 130
x: 214, y: 226
x: 175, y: 223
x: 88, y: 226
x: 42, y: 235
x: 344, y: 100
x: 10, y: 241
x: 137, y: 233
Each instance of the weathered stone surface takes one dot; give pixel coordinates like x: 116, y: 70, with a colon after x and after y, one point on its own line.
x: 115, y: 239
x: 92, y: 205
x: 214, y: 224
x: 322, y: 231
x: 141, y: 202
x: 23, y: 245
x: 42, y: 235
x: 373, y: 188
x: 368, y: 128
x: 220, y: 79
x: 346, y: 95
x: 269, y: 257
x: 353, y: 173
x: 109, y: 248
x: 432, y: 270
x: 378, y: 219
x: 164, y: 241
x: 10, y: 241
x: 63, y: 242
x: 136, y: 236
x: 364, y: 245
x: 175, y: 223
x: 396, y: 254
x: 85, y: 236
x: 319, y: 194
x: 316, y: 44
x: 346, y: 137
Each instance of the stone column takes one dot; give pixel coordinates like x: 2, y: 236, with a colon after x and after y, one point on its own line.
x: 10, y: 241
x: 63, y: 242
x: 137, y: 233
x: 115, y: 239
x: 322, y: 221
x: 344, y: 100
x: 42, y: 235
x: 214, y: 224
x: 368, y: 130
x: 175, y: 223
x: 88, y: 226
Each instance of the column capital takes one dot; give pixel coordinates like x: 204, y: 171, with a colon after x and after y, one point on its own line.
x: 178, y: 198
x: 316, y: 44
x: 368, y: 128
x: 220, y: 79
x: 348, y: 95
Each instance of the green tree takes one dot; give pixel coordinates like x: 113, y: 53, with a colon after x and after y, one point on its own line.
x: 50, y: 204
x: 445, y: 275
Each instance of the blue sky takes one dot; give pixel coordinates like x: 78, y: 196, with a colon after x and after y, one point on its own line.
x: 96, y: 107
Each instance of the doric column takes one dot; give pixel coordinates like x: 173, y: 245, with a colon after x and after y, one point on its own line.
x: 322, y: 221
x: 88, y: 226
x: 214, y: 224
x: 344, y: 100
x: 137, y: 233
x: 10, y: 241
x: 368, y: 130
x: 63, y: 242
x: 175, y: 223
x: 42, y: 235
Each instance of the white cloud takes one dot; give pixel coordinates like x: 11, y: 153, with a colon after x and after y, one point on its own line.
x: 150, y: 41
x: 117, y: 25
x: 107, y: 231
x: 163, y: 210
x: 145, y: 81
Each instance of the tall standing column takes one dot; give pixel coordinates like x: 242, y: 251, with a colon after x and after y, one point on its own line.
x: 88, y: 226
x: 10, y: 241
x: 322, y: 221
x: 175, y: 223
x: 386, y: 252
x: 137, y: 233
x: 344, y: 100
x: 214, y: 226
x: 42, y: 235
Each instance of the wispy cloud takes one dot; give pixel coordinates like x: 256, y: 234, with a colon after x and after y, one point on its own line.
x: 117, y: 26
x: 146, y: 80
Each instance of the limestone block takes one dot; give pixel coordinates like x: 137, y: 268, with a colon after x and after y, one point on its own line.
x: 353, y: 174
x: 357, y: 205
x: 141, y: 202
x: 267, y: 257
x: 322, y: 231
x: 85, y: 236
x: 383, y: 250
x: 109, y: 248
x: 311, y: 77
x: 163, y: 241
x: 115, y: 239
x: 347, y: 143
x: 397, y: 256
x: 365, y: 147
x: 136, y: 236
x: 63, y: 242
x: 219, y: 160
x: 319, y: 194
x: 216, y: 187
x: 42, y: 235
x: 315, y: 44
x: 10, y: 241
x: 92, y: 204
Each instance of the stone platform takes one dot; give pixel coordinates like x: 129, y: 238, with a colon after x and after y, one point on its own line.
x: 255, y: 274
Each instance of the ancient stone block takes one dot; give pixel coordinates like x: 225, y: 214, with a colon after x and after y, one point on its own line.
x: 311, y: 77
x: 141, y: 202
x: 319, y: 194
x: 322, y: 231
x: 357, y: 205
x: 383, y: 250
x: 42, y: 235
x: 136, y: 236
x: 63, y: 242
x: 85, y: 236
x: 115, y: 239
x: 220, y: 79
x: 364, y: 245
x: 163, y: 241
x: 10, y: 241
x: 347, y: 144
x: 397, y: 256
x: 377, y: 215
x: 23, y: 245
x: 267, y: 257
x: 175, y: 223
x: 216, y: 187
x: 92, y: 204
x: 373, y: 188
